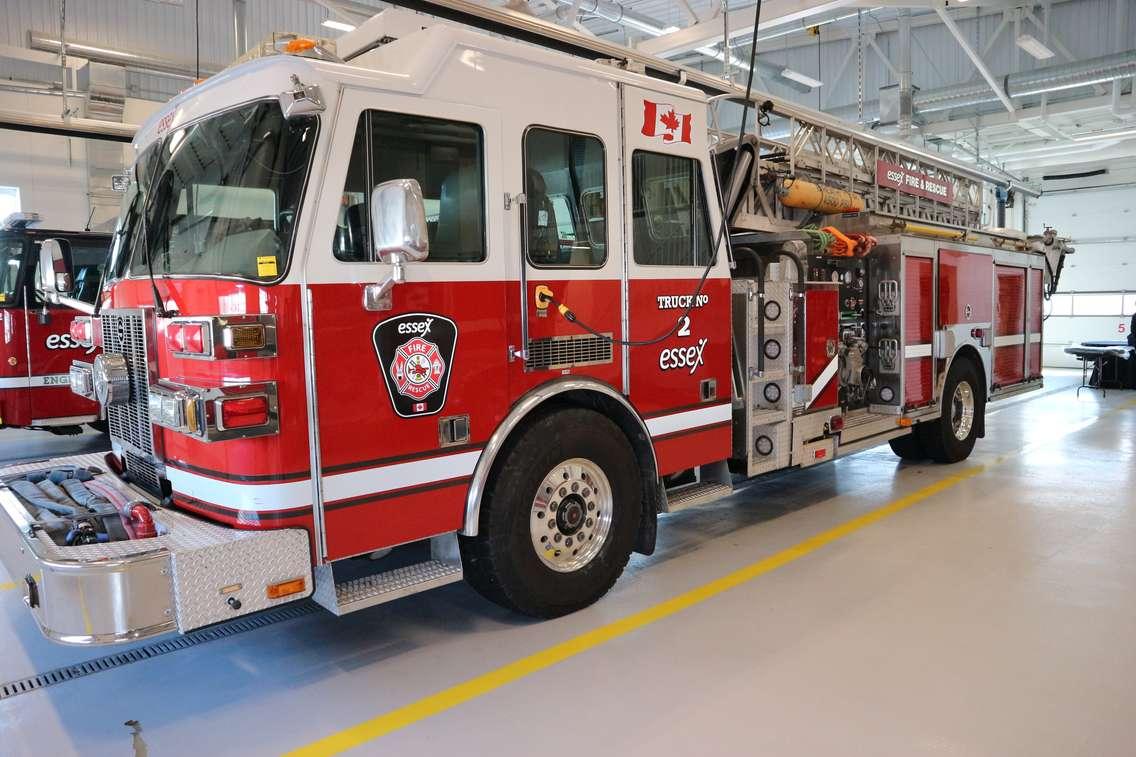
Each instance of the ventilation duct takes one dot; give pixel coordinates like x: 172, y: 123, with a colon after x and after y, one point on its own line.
x: 1023, y: 84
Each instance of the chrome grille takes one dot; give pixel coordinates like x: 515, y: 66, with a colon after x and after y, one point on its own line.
x: 568, y: 351
x: 129, y: 424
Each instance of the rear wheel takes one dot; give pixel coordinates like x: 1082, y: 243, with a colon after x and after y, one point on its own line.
x: 951, y: 437
x: 559, y: 517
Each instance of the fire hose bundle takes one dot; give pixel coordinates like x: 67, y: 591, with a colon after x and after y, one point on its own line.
x: 73, y: 507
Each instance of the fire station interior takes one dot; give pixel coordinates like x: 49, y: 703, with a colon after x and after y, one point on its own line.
x: 362, y: 392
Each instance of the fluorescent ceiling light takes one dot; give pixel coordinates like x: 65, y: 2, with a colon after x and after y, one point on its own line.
x: 1104, y: 135
x: 797, y: 76
x: 1034, y: 47
x: 338, y: 25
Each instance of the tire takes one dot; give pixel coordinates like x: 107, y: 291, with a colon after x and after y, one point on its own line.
x: 951, y: 437
x: 579, y: 448
x: 909, y: 447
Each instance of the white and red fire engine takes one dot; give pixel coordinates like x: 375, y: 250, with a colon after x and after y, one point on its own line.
x: 468, y: 298
x: 38, y: 345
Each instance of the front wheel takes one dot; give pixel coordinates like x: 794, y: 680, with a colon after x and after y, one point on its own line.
x: 951, y: 437
x: 559, y: 517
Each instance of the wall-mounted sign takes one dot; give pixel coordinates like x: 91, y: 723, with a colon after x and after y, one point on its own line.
x: 120, y: 182
x: 913, y: 182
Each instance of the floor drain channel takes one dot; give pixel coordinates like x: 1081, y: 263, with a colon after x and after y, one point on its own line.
x: 157, y: 649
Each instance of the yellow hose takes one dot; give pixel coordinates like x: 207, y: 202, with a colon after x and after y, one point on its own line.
x: 798, y: 193
x: 956, y: 235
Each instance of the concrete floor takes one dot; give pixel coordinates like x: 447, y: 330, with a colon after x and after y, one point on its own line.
x: 989, y: 613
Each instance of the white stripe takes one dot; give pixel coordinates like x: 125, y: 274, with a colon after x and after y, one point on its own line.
x: 916, y: 350
x: 23, y: 382
x: 703, y: 416
x: 1035, y: 338
x: 390, y: 477
x: 1010, y: 340
x: 287, y: 495
x: 241, y: 496
x: 822, y: 380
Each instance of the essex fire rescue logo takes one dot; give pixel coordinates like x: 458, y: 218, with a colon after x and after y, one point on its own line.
x: 416, y: 352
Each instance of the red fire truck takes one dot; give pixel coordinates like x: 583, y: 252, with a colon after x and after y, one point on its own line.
x: 38, y: 347
x: 371, y: 300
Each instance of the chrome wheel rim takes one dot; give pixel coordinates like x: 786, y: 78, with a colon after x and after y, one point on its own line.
x: 962, y: 410
x: 571, y: 515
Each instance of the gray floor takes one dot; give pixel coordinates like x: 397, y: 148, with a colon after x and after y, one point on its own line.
x: 994, y: 616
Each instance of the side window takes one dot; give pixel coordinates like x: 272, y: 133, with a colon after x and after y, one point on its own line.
x: 447, y: 160
x: 87, y: 261
x: 566, y: 209
x: 670, y: 222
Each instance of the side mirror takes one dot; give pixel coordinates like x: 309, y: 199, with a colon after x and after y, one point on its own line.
x: 53, y: 274
x: 398, y: 222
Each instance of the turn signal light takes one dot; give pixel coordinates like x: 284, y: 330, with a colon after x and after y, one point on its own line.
x: 243, y: 412
x: 904, y: 422
x: 187, y: 338
x: 83, y: 330
x: 286, y: 588
x: 241, y: 337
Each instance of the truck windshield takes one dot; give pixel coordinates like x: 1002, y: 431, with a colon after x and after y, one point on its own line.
x: 219, y: 197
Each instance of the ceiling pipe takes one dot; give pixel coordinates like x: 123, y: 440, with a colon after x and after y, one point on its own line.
x: 85, y: 128
x: 1043, y: 80
x: 240, y: 30
x: 618, y: 14
x: 118, y: 57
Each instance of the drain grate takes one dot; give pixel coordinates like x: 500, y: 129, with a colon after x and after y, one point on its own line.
x: 157, y: 649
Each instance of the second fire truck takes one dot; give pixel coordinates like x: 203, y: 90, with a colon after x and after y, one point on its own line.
x: 382, y: 301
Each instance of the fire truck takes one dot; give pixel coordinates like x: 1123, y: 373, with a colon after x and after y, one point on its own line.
x: 38, y: 348
x: 433, y: 304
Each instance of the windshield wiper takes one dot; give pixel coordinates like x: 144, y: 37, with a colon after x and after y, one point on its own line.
x: 147, y: 248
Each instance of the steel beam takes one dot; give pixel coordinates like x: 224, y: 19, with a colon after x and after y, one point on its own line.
x: 773, y: 13
x: 975, y: 59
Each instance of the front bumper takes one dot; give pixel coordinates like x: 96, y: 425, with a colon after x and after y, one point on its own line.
x: 195, y: 574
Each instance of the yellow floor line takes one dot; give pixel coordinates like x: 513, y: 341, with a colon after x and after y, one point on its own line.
x: 7, y: 586
x: 449, y: 698
x: 494, y: 679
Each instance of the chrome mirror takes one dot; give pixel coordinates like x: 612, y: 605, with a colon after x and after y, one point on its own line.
x: 398, y: 222
x: 53, y: 279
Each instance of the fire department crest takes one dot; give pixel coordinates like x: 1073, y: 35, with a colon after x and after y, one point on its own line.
x: 415, y: 352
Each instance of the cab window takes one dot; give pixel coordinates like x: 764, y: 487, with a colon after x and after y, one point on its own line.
x: 447, y: 160
x: 565, y: 199
x: 669, y: 216
x: 11, y: 256
x: 87, y: 261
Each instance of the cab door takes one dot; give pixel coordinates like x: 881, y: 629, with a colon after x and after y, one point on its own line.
x: 405, y: 395
x: 51, y: 349
x: 570, y: 232
x: 679, y: 372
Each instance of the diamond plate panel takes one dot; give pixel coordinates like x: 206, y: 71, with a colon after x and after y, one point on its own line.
x: 205, y: 557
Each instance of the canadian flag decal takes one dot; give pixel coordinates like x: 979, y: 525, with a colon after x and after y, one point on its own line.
x: 663, y: 121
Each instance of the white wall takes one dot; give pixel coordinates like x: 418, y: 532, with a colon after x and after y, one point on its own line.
x: 1101, y: 219
x: 51, y: 170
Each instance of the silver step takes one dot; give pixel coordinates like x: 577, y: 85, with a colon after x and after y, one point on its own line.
x: 343, y: 597
x: 693, y: 495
